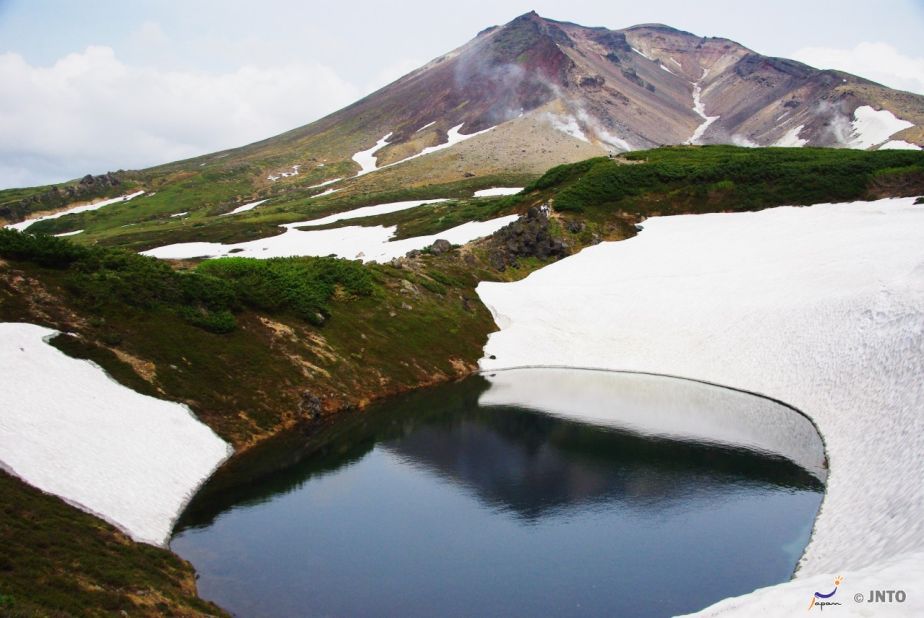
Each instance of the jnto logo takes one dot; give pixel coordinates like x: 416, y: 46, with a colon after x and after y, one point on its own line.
x: 818, y: 597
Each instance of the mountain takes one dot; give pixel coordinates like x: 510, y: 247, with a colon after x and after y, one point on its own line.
x: 551, y: 91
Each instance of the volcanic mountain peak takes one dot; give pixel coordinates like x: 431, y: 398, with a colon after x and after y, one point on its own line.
x: 612, y: 90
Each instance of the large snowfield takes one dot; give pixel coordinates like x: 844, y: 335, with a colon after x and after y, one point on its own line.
x: 67, y: 428
x: 820, y: 307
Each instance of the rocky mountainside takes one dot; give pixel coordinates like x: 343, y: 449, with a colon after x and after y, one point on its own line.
x: 572, y: 88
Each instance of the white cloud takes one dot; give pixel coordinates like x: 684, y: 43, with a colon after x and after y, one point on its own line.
x: 90, y: 112
x: 879, y: 62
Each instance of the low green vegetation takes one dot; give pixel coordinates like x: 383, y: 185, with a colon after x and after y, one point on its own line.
x: 302, y: 286
x: 727, y: 178
x: 207, y: 296
x: 205, y: 195
x: 59, y: 561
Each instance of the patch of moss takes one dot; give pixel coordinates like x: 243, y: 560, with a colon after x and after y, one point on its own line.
x: 58, y: 561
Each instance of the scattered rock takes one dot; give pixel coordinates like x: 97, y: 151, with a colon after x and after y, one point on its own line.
x: 440, y: 246
x: 310, y: 405
x: 592, y: 81
x: 407, y: 286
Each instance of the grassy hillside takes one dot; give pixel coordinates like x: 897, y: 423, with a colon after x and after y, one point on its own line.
x: 726, y: 178
x: 149, y: 220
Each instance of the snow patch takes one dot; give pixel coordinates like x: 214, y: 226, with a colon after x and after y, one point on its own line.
x: 323, y: 193
x: 495, y: 191
x: 666, y: 69
x: 641, y: 53
x: 69, y: 429
x: 22, y: 225
x: 351, y: 242
x: 245, y: 207
x: 429, y: 124
x: 180, y: 214
x: 325, y: 183
x: 277, y: 176
x: 367, y: 160
x: 700, y: 109
x: 74, y: 233
x: 871, y: 127
x: 820, y: 307
x: 453, y: 137
x: 897, y: 144
x: 365, y: 211
x: 791, y: 139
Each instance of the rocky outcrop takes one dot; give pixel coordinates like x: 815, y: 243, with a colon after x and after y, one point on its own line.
x: 86, y: 188
x: 528, y: 236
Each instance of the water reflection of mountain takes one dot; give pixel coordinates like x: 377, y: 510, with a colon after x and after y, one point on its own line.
x: 529, y: 463
x: 533, y: 465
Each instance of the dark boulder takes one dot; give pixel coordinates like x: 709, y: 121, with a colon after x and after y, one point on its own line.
x: 440, y: 246
x: 528, y: 236
x: 310, y: 406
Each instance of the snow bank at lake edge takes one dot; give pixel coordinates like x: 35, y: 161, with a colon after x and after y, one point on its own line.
x: 821, y: 307
x: 69, y: 429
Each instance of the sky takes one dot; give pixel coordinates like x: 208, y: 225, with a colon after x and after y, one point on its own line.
x: 99, y: 85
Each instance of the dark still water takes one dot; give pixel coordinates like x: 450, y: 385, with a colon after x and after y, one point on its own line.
x: 487, y: 498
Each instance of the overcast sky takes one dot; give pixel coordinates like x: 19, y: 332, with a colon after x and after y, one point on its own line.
x: 93, y: 86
